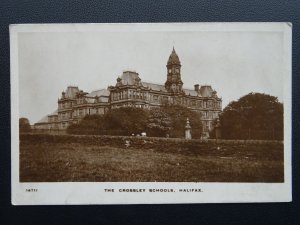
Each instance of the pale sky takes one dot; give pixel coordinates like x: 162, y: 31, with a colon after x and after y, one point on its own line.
x: 234, y: 63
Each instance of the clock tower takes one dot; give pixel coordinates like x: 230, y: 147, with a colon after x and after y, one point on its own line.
x: 174, y: 82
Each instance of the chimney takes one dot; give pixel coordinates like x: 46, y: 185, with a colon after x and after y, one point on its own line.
x: 196, y: 87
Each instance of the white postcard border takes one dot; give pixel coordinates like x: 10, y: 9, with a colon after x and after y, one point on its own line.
x: 94, y: 193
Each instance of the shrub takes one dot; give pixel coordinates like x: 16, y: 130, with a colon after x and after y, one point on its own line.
x: 158, y: 122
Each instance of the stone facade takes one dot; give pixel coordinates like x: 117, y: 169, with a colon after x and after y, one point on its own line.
x: 131, y: 91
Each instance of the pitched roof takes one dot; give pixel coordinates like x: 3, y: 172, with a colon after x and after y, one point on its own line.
x: 155, y: 87
x: 45, y: 118
x: 103, y: 95
x: 101, y: 92
x: 191, y: 92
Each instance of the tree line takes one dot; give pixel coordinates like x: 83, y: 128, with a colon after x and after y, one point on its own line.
x: 164, y: 121
x: 254, y: 116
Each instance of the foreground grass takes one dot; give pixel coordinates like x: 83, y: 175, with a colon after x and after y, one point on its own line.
x: 77, y: 162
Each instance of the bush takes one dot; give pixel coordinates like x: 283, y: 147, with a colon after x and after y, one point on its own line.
x: 157, y: 122
x: 122, y: 121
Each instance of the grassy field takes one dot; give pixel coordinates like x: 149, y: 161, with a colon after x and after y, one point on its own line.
x: 57, y: 162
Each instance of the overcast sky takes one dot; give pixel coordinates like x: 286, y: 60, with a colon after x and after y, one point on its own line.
x: 234, y: 63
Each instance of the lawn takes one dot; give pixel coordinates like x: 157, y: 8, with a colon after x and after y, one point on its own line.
x: 57, y: 162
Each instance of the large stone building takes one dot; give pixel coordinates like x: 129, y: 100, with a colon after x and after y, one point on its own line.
x: 131, y: 91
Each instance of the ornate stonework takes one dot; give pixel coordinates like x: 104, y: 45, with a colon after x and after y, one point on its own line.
x: 131, y: 91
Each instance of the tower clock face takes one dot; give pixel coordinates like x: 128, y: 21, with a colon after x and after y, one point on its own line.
x: 170, y: 70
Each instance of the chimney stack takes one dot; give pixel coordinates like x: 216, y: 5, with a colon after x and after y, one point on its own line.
x: 196, y: 87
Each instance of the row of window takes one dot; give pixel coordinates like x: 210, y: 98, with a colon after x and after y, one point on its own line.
x: 152, y: 98
x: 130, y: 105
x: 128, y: 94
x: 52, y: 118
x: 65, y: 115
x: 65, y: 105
x: 209, y: 115
x: 80, y: 113
x: 163, y: 99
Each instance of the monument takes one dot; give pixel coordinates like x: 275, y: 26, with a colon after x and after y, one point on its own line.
x: 188, y: 128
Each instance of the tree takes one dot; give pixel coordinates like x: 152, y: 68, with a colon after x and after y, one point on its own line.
x: 212, y: 132
x: 253, y: 116
x: 128, y: 119
x: 120, y: 121
x: 24, y: 125
x: 171, y: 120
x: 90, y: 124
x: 159, y: 123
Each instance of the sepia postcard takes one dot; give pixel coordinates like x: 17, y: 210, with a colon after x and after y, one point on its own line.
x: 150, y: 113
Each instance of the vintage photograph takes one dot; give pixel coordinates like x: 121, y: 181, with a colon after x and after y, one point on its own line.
x: 142, y: 104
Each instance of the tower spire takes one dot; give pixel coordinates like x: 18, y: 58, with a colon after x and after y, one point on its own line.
x: 173, y: 58
x: 173, y: 83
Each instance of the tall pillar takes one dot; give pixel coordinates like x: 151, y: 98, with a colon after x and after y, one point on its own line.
x: 188, y: 128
